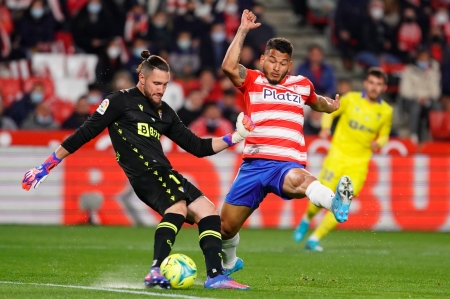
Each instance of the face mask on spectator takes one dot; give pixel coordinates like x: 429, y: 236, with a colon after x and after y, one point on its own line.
x: 211, y: 125
x: 441, y: 18
x: 113, y: 52
x: 231, y: 8
x: 159, y: 24
x: 436, y: 39
x: 218, y: 36
x: 423, y: 65
x: 37, y: 13
x: 137, y: 51
x: 94, y: 7
x: 94, y: 99
x: 184, y: 43
x: 36, y: 97
x: 44, y: 120
x: 377, y: 13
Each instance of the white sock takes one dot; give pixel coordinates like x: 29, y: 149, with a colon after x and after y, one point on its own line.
x: 229, y: 252
x: 320, y: 195
x: 314, y: 238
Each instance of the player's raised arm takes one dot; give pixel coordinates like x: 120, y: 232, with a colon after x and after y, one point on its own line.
x: 230, y: 64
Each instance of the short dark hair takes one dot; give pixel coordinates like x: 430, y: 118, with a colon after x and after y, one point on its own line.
x: 315, y: 46
x: 280, y: 44
x: 377, y: 72
x: 152, y: 62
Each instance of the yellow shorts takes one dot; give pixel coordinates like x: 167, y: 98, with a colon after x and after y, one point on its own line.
x: 335, y: 166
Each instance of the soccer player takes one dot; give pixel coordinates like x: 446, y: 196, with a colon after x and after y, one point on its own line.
x: 136, y: 118
x: 363, y: 127
x: 274, y: 153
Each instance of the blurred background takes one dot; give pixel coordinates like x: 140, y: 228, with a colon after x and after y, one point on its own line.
x: 60, y: 58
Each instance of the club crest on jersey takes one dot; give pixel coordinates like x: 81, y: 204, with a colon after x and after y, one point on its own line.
x: 272, y: 94
x: 160, y: 113
x: 103, y: 106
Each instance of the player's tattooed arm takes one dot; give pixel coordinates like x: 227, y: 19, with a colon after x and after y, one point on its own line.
x: 326, y: 104
x: 230, y: 64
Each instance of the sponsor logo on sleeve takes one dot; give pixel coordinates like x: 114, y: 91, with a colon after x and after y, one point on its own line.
x: 103, y: 106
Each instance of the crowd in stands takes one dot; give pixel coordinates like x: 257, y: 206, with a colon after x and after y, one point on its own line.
x: 409, y: 39
x: 60, y: 58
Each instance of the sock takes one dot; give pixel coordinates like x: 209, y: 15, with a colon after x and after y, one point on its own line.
x: 165, y: 234
x: 328, y: 224
x: 311, y: 211
x: 229, y: 251
x: 320, y: 195
x: 210, y: 241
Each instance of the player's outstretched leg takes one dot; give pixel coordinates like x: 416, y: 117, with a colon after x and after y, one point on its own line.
x: 155, y: 278
x: 341, y: 201
x: 223, y: 282
x: 230, y: 262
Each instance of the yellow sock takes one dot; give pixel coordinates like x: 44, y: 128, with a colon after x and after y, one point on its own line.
x: 311, y: 211
x: 328, y: 224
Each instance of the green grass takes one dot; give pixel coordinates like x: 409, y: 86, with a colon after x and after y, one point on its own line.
x: 353, y: 265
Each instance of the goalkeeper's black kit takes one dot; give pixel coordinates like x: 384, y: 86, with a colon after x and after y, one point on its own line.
x: 135, y: 128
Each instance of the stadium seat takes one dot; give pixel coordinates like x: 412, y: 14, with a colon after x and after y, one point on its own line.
x: 61, y: 110
x: 49, y: 89
x: 64, y: 42
x: 11, y: 90
x: 439, y: 125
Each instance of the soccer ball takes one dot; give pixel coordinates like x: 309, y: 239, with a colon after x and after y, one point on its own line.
x: 180, y: 270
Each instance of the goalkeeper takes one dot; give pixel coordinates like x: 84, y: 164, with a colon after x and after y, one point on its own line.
x: 136, y: 118
x: 363, y: 128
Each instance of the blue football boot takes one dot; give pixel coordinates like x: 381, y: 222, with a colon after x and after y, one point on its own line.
x: 300, y: 231
x: 223, y: 282
x: 155, y: 278
x: 239, y: 265
x: 313, y: 246
x: 341, y: 201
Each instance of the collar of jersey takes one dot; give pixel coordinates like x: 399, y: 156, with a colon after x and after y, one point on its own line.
x: 364, y: 96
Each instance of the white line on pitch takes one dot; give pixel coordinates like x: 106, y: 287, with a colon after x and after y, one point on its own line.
x: 104, y: 290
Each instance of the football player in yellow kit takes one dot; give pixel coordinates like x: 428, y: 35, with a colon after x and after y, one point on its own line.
x: 363, y: 128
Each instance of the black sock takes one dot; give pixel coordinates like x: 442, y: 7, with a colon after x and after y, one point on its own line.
x: 165, y: 234
x: 211, y: 244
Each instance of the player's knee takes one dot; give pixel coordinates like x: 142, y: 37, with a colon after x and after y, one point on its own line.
x: 227, y: 230
x: 301, y: 181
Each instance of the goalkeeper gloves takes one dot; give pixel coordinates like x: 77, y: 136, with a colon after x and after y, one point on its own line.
x: 35, y: 176
x: 244, y: 125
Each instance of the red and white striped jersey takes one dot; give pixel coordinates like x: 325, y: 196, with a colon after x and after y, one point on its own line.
x: 277, y: 111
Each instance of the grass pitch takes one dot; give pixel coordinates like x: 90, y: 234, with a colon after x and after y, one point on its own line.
x: 111, y: 262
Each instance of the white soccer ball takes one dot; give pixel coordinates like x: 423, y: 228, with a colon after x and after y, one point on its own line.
x: 180, y: 270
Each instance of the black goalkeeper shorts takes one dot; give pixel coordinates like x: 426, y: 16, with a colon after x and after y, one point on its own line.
x: 160, y: 188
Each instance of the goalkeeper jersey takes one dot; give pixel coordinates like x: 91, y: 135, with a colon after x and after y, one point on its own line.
x: 361, y: 121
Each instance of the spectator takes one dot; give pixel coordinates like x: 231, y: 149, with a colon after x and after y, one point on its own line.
x: 209, y: 87
x: 136, y: 23
x: 138, y: 45
x: 192, y: 108
x: 319, y: 72
x: 247, y: 58
x: 160, y: 35
x: 442, y: 20
x: 409, y: 35
x: 230, y: 18
x: 344, y: 85
x: 6, y: 29
x: 213, y: 48
x: 375, y: 42
x: 258, y: 38
x: 36, y: 28
x: 392, y: 13
x: 211, y: 123
x: 79, y: 115
x: 420, y: 91
x: 184, y: 59
x: 189, y: 22
x: 110, y: 61
x: 228, y: 106
x: 349, y: 16
x: 94, y: 97
x: 40, y: 119
x: 122, y: 80
x: 20, y: 109
x: 174, y: 95
x: 6, y: 122
x: 312, y: 124
x: 436, y: 40
x: 92, y: 27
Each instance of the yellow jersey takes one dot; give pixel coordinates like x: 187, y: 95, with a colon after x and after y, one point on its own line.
x: 361, y: 122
